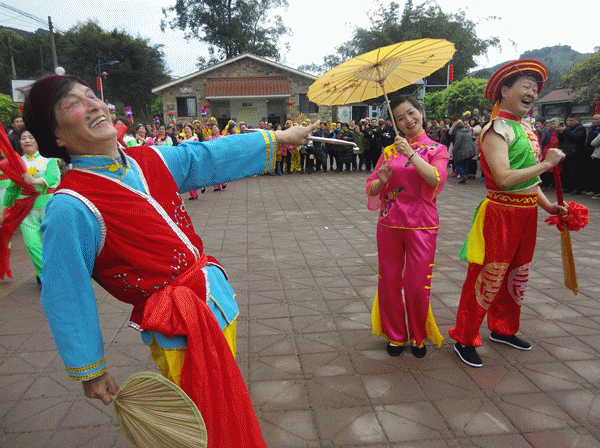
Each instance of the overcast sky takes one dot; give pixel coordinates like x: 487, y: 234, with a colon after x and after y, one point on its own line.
x: 319, y: 26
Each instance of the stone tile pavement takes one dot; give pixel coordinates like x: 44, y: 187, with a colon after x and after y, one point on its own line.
x: 300, y: 252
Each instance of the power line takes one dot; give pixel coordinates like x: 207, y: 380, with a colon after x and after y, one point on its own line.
x: 29, y: 16
x: 16, y: 20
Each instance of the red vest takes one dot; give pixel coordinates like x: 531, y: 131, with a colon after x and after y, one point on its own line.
x: 147, y: 240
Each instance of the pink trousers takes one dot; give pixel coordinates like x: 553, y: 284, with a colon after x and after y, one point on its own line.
x: 405, y: 264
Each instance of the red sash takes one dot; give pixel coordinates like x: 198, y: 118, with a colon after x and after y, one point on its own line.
x: 210, y: 375
x: 12, y: 219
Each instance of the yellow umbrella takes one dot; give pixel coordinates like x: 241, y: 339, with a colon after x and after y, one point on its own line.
x: 380, y: 71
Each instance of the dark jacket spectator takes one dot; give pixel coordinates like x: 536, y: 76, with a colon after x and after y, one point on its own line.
x: 435, y: 132
x: 572, y: 140
x: 387, y: 134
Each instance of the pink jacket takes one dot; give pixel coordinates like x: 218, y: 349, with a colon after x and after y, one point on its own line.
x: 406, y: 200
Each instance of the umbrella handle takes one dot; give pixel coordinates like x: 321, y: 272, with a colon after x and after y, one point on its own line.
x: 387, y: 102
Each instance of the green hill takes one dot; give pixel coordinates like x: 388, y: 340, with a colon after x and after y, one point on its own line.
x: 25, y: 34
x: 557, y: 59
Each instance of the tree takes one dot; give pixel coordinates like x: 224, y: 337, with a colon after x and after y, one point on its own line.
x: 157, y: 108
x: 389, y: 26
x: 141, y: 66
x: 6, y: 36
x: 8, y: 109
x: 584, y: 78
x: 466, y: 94
x: 229, y: 27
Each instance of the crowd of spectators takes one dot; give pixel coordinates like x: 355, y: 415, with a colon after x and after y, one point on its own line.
x: 579, y: 142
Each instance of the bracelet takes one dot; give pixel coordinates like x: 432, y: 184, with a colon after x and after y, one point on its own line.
x: 412, y: 155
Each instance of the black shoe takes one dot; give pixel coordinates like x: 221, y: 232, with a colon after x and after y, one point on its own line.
x: 468, y: 355
x: 418, y: 352
x: 394, y: 350
x: 511, y: 340
x: 225, y: 186
x: 37, y: 279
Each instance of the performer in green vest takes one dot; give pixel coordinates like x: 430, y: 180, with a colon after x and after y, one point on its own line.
x: 500, y: 245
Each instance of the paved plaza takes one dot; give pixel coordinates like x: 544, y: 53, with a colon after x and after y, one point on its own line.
x: 300, y: 252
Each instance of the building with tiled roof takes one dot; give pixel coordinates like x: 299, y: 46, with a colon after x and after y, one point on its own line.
x: 559, y: 103
x: 243, y: 88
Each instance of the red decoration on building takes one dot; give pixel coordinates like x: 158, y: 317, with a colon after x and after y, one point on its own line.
x: 450, y: 73
x: 98, y: 84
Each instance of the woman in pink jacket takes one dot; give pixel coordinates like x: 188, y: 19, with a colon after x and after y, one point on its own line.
x: 403, y: 187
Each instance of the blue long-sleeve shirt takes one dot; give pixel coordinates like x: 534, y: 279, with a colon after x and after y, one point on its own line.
x: 72, y: 235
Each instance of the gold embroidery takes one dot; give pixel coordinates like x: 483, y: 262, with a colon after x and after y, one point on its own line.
x: 274, y: 152
x: 409, y: 228
x: 89, y: 376
x: 113, y: 167
x: 437, y: 182
x: 85, y: 368
x: 268, y: 151
x: 523, y: 200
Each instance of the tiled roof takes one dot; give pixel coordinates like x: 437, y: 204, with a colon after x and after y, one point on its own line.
x: 558, y: 96
x: 251, y: 86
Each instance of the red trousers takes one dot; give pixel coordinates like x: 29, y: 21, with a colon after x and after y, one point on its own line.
x: 497, y: 287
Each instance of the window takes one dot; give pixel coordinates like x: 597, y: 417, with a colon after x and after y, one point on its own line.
x: 186, y: 107
x: 306, y: 106
x: 554, y: 111
x: 580, y: 110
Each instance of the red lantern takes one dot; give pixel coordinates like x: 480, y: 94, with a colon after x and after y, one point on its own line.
x: 289, y: 103
x: 104, y: 75
x: 98, y: 84
x: 450, y: 73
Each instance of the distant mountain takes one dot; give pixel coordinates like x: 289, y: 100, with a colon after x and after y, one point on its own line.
x: 24, y: 34
x: 557, y: 59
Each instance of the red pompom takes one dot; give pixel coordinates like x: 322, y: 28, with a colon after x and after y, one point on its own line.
x: 577, y: 218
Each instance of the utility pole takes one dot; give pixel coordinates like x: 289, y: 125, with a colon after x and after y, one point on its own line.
x: 54, y: 61
x: 12, y: 58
